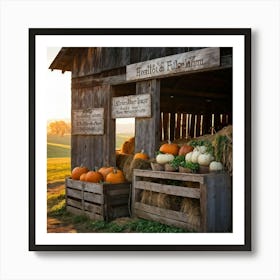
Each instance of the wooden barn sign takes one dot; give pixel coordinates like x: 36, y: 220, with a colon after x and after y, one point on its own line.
x: 131, y: 106
x: 173, y: 64
x: 88, y: 121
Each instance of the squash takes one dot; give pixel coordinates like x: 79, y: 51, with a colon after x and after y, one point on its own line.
x: 105, y: 170
x: 169, y: 148
x: 188, y: 156
x: 78, y: 171
x: 83, y: 177
x: 195, y: 156
x: 115, y: 177
x: 94, y: 177
x: 216, y: 166
x: 202, y: 149
x: 185, y: 149
x: 164, y: 158
x: 204, y: 159
x: 141, y: 155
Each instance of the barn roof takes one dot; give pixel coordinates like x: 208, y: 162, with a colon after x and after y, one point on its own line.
x: 64, y: 59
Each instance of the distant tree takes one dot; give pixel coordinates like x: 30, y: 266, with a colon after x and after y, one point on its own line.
x: 59, y: 128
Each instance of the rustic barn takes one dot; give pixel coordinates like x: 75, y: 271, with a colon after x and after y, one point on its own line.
x: 183, y: 92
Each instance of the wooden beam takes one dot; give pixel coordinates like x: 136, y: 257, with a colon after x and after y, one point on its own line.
x: 147, y: 133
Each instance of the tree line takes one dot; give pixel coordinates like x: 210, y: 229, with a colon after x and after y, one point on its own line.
x: 59, y: 128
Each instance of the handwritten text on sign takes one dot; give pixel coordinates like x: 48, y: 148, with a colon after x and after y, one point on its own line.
x: 131, y: 106
x: 183, y: 62
x: 88, y: 121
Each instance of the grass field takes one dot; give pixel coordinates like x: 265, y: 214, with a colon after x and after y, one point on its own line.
x: 60, y: 147
x: 58, y: 169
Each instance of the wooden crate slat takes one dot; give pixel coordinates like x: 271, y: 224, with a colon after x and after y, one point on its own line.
x: 73, y: 184
x: 94, y: 188
x: 168, y: 189
x: 164, y: 220
x: 94, y: 216
x: 119, y: 200
x: 96, y: 198
x: 171, y: 214
x: 170, y: 175
x: 74, y: 210
x: 93, y: 208
x: 75, y: 203
x: 119, y: 212
x: 74, y: 193
x: 118, y: 192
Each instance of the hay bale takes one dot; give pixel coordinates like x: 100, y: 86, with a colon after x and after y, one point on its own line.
x: 135, y: 164
x: 146, y: 197
x: 190, y: 184
x: 126, y: 166
x: 175, y: 202
x: 156, y: 199
x: 191, y: 206
x: 128, y: 146
x: 121, y: 160
x: 223, y: 147
x: 162, y: 200
x: 222, y: 151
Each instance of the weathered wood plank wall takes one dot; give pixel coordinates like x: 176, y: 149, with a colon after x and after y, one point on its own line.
x: 93, y: 150
x: 95, y: 60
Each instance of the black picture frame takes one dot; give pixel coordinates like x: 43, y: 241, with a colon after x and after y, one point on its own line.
x: 245, y: 32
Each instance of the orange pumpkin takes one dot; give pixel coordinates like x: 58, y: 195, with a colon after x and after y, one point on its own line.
x: 169, y: 148
x: 105, y: 170
x: 141, y: 155
x: 78, y: 171
x: 185, y: 149
x: 115, y: 177
x: 83, y: 177
x: 94, y: 177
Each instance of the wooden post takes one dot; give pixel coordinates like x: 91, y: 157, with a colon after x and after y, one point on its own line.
x: 165, y: 126
x: 172, y: 126
x: 147, y: 130
x: 184, y: 130
x: 178, y: 126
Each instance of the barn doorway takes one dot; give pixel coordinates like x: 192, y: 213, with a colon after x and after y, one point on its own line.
x: 124, y: 126
x: 125, y: 135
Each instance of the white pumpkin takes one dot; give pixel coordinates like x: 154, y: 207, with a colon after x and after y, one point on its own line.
x: 195, y: 156
x: 204, y: 159
x: 164, y: 158
x: 188, y: 156
x: 216, y: 166
x: 202, y: 149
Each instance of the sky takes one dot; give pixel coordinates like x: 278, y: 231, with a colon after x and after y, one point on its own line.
x: 59, y: 89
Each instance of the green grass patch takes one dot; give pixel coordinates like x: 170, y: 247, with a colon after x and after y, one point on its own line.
x: 64, y: 140
x: 58, y: 150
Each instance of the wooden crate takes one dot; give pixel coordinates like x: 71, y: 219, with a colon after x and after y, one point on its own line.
x: 97, y: 201
x: 214, y: 192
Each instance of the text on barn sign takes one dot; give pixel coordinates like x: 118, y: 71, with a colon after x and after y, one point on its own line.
x: 131, y: 106
x: 88, y: 121
x: 183, y: 62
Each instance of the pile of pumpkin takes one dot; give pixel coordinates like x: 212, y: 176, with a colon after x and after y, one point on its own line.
x: 195, y: 158
x: 104, y: 174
